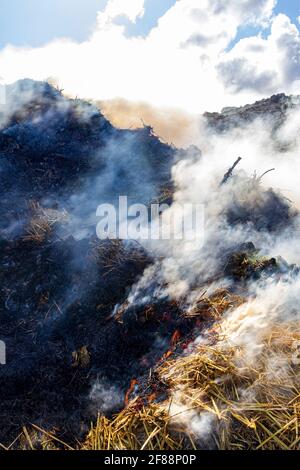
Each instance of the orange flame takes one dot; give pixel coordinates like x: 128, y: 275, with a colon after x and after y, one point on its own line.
x: 175, y: 338
x: 151, y: 397
x: 133, y: 383
x: 167, y: 355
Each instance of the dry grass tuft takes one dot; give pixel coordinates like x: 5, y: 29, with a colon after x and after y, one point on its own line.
x: 43, y: 222
x: 214, y: 306
x: 135, y: 428
x: 114, y: 253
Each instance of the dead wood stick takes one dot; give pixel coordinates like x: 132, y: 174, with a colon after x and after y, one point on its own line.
x: 228, y: 174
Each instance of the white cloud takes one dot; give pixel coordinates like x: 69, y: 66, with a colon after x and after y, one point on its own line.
x: 183, y: 62
x: 264, y: 66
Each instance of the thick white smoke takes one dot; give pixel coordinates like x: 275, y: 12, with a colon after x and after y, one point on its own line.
x: 186, y: 269
x: 198, y: 181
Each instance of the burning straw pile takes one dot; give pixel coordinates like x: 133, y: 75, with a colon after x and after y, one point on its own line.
x: 218, y: 399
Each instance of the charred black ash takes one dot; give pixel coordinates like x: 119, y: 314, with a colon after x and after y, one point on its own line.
x: 58, y: 290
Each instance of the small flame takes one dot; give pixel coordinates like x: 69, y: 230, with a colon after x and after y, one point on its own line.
x: 167, y: 355
x: 173, y: 343
x: 175, y: 338
x: 131, y: 389
x: 151, y: 397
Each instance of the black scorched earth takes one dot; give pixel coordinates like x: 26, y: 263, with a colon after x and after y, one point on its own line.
x: 75, y: 346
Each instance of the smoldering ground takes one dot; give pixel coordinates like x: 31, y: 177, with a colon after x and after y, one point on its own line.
x: 81, y: 318
x: 246, y: 220
x: 60, y: 159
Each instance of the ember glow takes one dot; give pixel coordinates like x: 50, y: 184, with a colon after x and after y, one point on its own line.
x: 149, y: 253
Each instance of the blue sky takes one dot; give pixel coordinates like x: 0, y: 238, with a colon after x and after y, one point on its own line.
x: 290, y: 7
x: 36, y: 22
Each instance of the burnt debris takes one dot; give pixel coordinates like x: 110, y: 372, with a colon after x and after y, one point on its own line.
x: 59, y: 286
